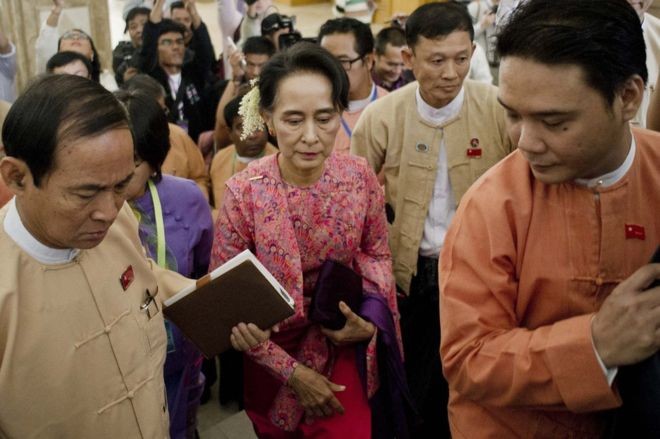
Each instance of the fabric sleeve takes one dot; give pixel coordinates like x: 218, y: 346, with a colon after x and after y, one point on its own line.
x: 275, y: 359
x: 374, y: 264
x: 374, y: 260
x: 45, y: 46
x: 487, y: 354
x: 479, y: 68
x: 473, y: 9
x: 149, y: 51
x: 204, y: 53
x: 233, y: 234
x: 202, y: 250
x: 369, y: 139
x: 8, y: 62
x: 196, y: 166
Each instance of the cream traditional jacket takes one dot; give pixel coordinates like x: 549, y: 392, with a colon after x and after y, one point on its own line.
x: 79, y: 358
x: 394, y: 138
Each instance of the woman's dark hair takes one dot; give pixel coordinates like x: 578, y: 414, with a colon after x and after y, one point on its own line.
x: 96, y: 63
x: 56, y: 111
x: 150, y: 128
x: 145, y: 84
x: 603, y: 37
x: 437, y: 20
x: 61, y: 59
x: 364, y: 38
x: 303, y: 57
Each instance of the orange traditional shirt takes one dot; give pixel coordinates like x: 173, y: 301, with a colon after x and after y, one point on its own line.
x: 349, y: 119
x: 524, y: 268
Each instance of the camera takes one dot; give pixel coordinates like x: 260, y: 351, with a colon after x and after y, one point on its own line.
x: 275, y: 22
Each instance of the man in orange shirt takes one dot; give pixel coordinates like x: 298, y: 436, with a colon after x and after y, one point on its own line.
x: 545, y: 275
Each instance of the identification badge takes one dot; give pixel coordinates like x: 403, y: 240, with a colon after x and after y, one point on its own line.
x: 126, y: 278
x: 474, y: 151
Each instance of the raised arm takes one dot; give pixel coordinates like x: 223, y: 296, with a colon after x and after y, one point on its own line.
x: 149, y: 49
x: 46, y: 43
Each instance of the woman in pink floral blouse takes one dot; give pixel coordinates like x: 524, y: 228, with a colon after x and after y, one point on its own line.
x: 294, y: 210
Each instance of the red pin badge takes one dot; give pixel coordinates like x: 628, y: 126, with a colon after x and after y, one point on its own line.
x: 635, y: 231
x: 127, y: 277
x: 474, y: 151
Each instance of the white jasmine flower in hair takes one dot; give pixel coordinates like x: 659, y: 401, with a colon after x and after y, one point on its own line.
x: 249, y: 111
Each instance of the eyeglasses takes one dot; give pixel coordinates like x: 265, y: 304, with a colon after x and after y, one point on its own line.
x: 348, y: 63
x: 168, y: 42
x: 75, y: 35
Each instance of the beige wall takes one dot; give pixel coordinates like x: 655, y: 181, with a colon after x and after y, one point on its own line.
x: 655, y: 9
x: 21, y: 20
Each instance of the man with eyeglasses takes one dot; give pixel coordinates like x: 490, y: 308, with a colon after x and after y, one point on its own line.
x: 431, y: 139
x: 162, y: 57
x: 352, y: 43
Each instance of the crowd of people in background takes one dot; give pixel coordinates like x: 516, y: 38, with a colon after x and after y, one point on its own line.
x: 488, y: 168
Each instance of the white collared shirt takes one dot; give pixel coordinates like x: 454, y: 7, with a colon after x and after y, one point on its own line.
x: 175, y: 83
x: 361, y: 104
x: 16, y: 230
x: 442, y: 206
x: 612, y: 177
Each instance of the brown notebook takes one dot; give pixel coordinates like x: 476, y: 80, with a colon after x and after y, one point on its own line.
x: 240, y: 290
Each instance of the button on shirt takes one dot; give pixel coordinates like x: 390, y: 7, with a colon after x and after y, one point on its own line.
x: 443, y: 206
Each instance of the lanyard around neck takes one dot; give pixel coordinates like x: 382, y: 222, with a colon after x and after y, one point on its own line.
x: 344, y: 124
x: 160, y: 226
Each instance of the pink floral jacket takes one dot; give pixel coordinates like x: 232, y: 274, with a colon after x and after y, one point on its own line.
x: 344, y: 214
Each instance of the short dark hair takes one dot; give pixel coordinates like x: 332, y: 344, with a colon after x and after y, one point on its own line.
x: 134, y: 13
x: 177, y: 5
x: 364, y: 38
x: 258, y: 46
x: 56, y: 110
x: 231, y: 110
x: 437, y: 20
x: 299, y: 58
x: 394, y: 36
x: 145, y: 84
x: 166, y: 26
x: 61, y: 59
x: 151, y: 131
x: 95, y: 61
x: 603, y: 37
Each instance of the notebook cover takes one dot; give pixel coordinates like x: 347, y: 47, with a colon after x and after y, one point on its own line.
x: 336, y: 282
x: 242, y: 294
